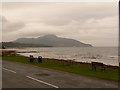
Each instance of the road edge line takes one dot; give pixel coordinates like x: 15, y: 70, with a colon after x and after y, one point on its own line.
x: 9, y: 70
x: 46, y: 83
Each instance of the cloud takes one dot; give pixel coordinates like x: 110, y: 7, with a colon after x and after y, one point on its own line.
x: 95, y: 23
x: 9, y: 26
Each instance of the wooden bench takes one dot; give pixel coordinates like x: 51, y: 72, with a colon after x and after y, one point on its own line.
x: 95, y: 64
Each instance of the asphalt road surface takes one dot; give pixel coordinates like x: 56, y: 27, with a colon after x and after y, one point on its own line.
x: 18, y: 75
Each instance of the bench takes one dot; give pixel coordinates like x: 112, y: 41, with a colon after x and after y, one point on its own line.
x: 95, y: 64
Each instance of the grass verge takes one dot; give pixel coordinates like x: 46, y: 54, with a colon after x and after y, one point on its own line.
x: 109, y: 74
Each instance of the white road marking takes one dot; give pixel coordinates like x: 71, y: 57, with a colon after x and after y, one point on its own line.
x: 9, y: 70
x: 43, y: 82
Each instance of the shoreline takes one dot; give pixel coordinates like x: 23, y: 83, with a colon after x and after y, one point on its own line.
x: 84, y: 63
x: 74, y: 62
x: 60, y: 60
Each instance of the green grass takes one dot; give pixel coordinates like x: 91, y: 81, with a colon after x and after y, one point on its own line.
x: 109, y: 74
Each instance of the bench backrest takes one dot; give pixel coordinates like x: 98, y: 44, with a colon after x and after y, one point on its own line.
x: 97, y: 64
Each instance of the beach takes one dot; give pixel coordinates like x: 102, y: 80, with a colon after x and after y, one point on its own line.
x: 108, y: 56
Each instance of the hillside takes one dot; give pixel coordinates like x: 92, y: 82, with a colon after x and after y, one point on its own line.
x: 16, y: 44
x: 52, y: 40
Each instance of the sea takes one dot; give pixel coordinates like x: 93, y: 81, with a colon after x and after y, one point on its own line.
x: 106, y: 55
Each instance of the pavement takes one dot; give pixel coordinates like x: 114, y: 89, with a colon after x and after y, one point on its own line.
x: 18, y: 75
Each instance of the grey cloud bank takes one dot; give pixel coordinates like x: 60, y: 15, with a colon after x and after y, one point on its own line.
x: 94, y: 23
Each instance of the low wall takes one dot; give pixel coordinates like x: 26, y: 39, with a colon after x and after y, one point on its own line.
x: 8, y: 52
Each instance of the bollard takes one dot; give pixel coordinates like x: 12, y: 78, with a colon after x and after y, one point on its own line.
x: 40, y: 59
x: 31, y: 58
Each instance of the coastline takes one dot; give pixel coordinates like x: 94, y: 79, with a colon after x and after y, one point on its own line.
x: 13, y: 52
x: 74, y: 62
x: 84, y: 63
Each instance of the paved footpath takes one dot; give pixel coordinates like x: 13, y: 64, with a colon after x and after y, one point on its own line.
x: 18, y: 75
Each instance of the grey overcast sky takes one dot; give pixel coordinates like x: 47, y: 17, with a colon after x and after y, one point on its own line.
x: 88, y: 22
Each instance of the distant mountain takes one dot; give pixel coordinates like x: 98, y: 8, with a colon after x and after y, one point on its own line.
x: 53, y: 40
x: 4, y: 45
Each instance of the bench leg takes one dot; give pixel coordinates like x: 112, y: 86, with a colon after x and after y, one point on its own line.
x: 94, y: 68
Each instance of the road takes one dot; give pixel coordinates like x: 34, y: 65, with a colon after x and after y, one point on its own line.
x: 18, y: 75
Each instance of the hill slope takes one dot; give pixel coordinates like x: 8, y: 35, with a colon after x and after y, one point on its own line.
x: 53, y: 40
x: 4, y: 45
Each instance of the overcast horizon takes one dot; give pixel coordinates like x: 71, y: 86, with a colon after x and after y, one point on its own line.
x: 88, y: 22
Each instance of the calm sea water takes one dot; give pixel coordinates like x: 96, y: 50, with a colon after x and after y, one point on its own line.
x: 107, y: 55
